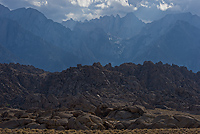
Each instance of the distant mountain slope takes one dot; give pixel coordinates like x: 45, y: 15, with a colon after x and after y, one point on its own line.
x: 172, y: 40
x: 35, y: 22
x: 87, y: 87
x: 100, y: 38
x: 93, y: 46
x: 8, y: 57
x: 188, y: 17
x: 179, y: 45
x: 82, y: 44
x: 32, y: 49
x: 157, y: 28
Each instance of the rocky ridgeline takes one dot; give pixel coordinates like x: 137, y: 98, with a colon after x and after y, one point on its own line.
x: 111, y: 118
x: 87, y: 87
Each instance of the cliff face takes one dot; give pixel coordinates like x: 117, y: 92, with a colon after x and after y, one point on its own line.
x: 87, y: 87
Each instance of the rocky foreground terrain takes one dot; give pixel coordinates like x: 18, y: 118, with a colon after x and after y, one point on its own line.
x: 103, y: 118
x: 99, y: 97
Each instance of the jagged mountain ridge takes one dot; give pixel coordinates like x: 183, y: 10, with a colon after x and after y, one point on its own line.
x: 93, y: 41
x: 35, y: 22
x: 124, y: 27
x: 78, y: 44
x: 4, y: 10
x: 86, y: 87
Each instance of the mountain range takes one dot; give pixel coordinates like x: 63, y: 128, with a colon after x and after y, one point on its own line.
x: 28, y: 37
x: 86, y: 87
x: 124, y: 27
x: 176, y: 42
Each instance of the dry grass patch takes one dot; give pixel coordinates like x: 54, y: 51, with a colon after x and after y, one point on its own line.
x: 135, y: 131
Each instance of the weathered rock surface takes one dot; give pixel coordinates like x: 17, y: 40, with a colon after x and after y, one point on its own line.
x: 186, y: 121
x: 122, y: 118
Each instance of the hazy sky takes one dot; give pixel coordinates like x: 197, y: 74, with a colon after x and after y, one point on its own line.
x: 59, y: 10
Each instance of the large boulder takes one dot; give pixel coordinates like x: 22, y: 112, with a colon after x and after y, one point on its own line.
x: 72, y: 123
x: 45, y: 114
x: 124, y: 113
x: 103, y: 110
x: 137, y: 109
x: 24, y: 121
x: 85, y: 121
x: 121, y: 115
x: 139, y: 123
x: 35, y: 125
x: 119, y: 125
x: 10, y: 124
x: 64, y: 115
x: 185, y: 121
x: 61, y: 122
x: 15, y: 123
x: 160, y: 118
x: 91, y: 121
x: 127, y: 123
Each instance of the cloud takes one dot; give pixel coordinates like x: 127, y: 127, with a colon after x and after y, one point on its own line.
x: 59, y: 10
x: 164, y: 6
x: 39, y: 3
x: 188, y: 6
x: 81, y: 3
x: 15, y: 4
